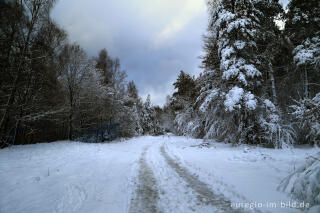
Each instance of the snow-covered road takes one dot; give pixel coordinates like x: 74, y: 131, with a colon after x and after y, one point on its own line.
x: 145, y: 174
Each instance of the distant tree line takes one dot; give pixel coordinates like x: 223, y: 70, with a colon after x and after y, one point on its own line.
x: 51, y: 90
x: 260, y: 83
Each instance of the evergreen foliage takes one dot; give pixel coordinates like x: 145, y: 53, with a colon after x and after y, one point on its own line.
x: 253, y: 72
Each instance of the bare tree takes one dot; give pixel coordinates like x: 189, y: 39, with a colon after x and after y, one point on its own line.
x: 29, y: 41
x: 73, y: 71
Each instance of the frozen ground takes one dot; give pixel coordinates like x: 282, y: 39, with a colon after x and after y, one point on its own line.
x: 146, y: 174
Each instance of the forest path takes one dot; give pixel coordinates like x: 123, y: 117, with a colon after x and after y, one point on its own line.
x: 146, y: 196
x: 162, y: 174
x: 164, y: 185
x: 205, y: 194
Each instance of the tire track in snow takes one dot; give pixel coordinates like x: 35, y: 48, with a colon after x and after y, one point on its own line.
x: 146, y: 197
x: 175, y: 195
x: 72, y: 200
x: 205, y: 194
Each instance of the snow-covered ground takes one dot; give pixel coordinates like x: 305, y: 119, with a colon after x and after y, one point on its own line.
x: 145, y: 174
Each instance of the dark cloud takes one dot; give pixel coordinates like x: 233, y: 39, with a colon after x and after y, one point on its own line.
x: 153, y: 39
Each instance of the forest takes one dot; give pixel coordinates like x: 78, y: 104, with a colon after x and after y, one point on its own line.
x: 52, y: 90
x: 241, y: 136
x: 259, y: 83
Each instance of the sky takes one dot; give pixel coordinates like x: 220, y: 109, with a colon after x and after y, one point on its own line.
x: 154, y: 39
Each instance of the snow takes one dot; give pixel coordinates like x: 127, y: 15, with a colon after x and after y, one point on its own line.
x: 212, y: 95
x: 240, y: 44
x: 302, y: 55
x: 308, y: 52
x: 67, y: 177
x: 226, y: 52
x: 224, y: 16
x: 251, y: 102
x: 314, y: 209
x: 244, y: 174
x: 230, y: 71
x: 166, y: 173
x: 238, y: 23
x: 251, y: 70
x: 269, y: 105
x: 233, y: 98
x: 304, y: 183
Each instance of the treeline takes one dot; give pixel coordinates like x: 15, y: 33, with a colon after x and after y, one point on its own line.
x: 51, y: 90
x: 260, y: 83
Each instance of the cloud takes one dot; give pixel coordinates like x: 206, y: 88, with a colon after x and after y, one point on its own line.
x: 190, y: 9
x: 154, y: 40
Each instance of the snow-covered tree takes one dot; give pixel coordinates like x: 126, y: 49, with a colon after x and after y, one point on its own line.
x: 132, y: 90
x: 238, y: 29
x: 73, y: 72
x: 303, y: 20
x: 185, y: 85
x: 105, y: 64
x: 307, y: 111
x: 307, y: 59
x: 148, y: 118
x: 181, y: 103
x: 29, y: 92
x: 303, y: 29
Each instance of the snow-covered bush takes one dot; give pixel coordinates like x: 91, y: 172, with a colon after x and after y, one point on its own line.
x: 304, y: 183
x: 188, y: 126
x: 307, y: 111
x: 274, y: 132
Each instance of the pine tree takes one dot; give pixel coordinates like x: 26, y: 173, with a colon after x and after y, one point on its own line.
x: 185, y: 85
x: 303, y: 20
x: 132, y: 90
x: 105, y: 64
x: 149, y: 121
x: 239, y: 54
x: 235, y: 25
x: 303, y: 28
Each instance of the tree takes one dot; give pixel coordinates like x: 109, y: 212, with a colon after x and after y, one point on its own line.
x: 50, y: 90
x: 307, y: 112
x: 30, y: 41
x: 149, y: 121
x: 185, y: 84
x: 73, y: 71
x: 303, y: 30
x: 105, y: 64
x: 239, y: 76
x: 305, y: 41
x: 302, y: 20
x: 132, y: 90
x: 235, y: 27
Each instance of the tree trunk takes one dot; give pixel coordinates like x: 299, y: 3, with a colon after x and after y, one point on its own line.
x: 70, y: 114
x: 101, y: 130
x: 5, y: 117
x: 70, y: 126
x: 273, y: 85
x: 4, y: 120
x: 306, y: 84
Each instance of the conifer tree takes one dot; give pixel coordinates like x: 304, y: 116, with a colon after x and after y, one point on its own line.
x: 303, y: 20
x: 240, y: 48
x: 303, y: 29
